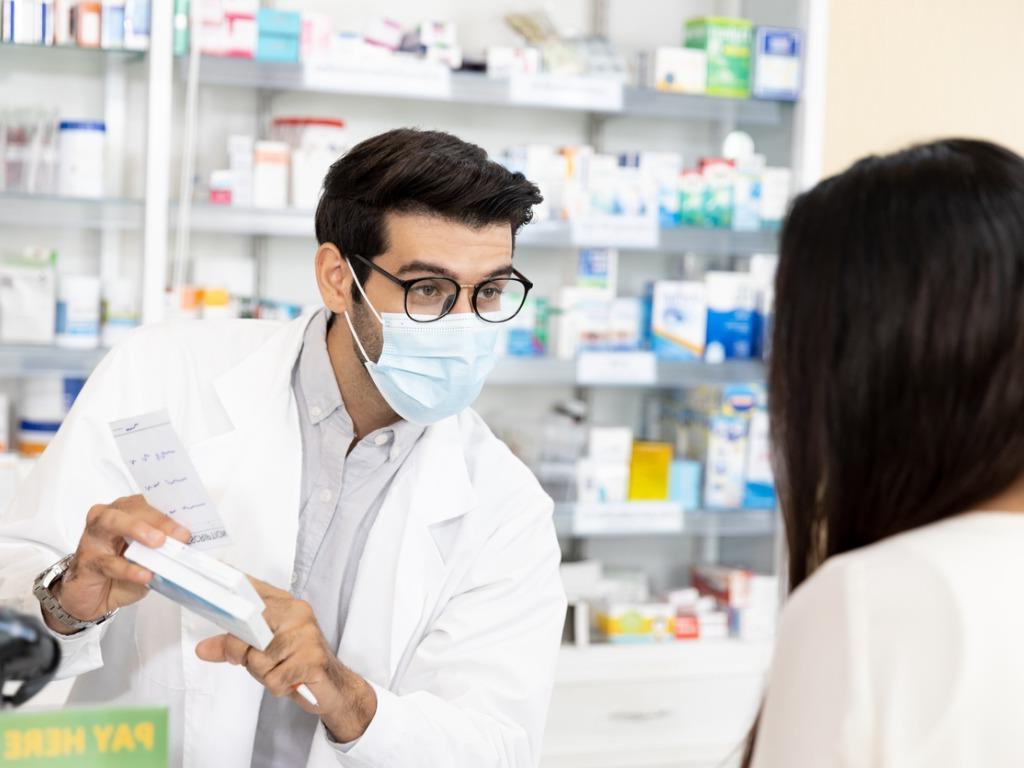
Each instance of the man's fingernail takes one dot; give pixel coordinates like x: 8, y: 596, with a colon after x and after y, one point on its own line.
x: 153, y: 537
x: 182, y: 532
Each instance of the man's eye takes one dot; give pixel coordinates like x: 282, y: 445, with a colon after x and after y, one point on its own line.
x: 490, y: 292
x: 427, y: 291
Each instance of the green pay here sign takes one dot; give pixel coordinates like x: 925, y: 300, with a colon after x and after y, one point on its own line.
x: 84, y: 738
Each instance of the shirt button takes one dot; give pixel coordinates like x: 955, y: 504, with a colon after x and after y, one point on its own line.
x: 381, y: 440
x: 325, y: 495
x: 314, y: 412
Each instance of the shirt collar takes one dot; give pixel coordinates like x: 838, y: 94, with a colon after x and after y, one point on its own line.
x: 316, y: 374
x: 323, y: 398
x: 404, y: 437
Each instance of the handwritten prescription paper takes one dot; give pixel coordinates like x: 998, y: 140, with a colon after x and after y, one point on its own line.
x: 157, y: 460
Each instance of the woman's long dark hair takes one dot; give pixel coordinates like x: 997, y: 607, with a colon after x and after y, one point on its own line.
x: 896, y: 387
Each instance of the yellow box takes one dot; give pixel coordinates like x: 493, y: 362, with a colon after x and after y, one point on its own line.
x: 649, y: 471
x: 637, y: 623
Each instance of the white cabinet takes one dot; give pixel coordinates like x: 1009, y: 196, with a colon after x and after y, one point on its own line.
x: 679, y: 704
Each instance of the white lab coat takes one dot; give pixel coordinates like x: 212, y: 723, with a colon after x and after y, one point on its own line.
x: 458, y: 607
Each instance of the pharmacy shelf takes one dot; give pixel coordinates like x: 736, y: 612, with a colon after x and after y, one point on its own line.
x: 554, y: 235
x: 717, y: 241
x: 266, y: 222
x: 479, y: 89
x: 542, y: 371
x: 54, y: 211
x: 61, y: 58
x: 632, y: 518
x: 656, y: 518
x: 26, y: 359
x: 18, y: 360
x: 702, y: 240
x: 730, y: 522
x: 609, y: 662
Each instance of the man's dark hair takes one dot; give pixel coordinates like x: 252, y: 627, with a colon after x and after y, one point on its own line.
x: 412, y: 171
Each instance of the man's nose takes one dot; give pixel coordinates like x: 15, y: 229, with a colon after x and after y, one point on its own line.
x: 465, y: 301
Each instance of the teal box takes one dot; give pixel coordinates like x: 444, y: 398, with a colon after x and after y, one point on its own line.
x: 278, y: 49
x: 285, y: 23
x: 279, y: 34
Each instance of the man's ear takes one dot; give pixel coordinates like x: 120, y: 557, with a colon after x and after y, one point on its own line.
x: 333, y: 278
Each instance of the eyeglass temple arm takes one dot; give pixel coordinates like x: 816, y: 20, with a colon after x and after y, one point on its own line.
x: 380, y: 270
x: 522, y: 277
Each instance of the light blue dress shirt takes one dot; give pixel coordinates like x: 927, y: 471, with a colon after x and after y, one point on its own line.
x: 343, y: 487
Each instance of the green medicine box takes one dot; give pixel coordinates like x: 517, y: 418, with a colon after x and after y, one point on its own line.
x: 727, y: 44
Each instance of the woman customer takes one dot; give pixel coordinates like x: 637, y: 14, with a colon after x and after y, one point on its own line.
x: 897, y: 402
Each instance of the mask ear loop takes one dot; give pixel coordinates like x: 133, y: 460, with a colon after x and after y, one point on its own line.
x: 348, y: 319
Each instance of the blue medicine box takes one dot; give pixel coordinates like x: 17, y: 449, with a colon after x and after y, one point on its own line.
x: 777, y: 64
x: 279, y: 34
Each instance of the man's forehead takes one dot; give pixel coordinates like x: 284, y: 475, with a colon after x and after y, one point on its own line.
x: 433, y: 244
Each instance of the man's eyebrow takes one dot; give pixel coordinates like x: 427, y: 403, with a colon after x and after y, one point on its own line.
x: 438, y: 269
x: 500, y: 272
x: 426, y: 266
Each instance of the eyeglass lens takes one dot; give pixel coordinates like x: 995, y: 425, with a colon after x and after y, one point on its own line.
x: 497, y: 300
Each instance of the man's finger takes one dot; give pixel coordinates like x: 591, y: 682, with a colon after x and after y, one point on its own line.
x: 266, y: 591
x: 228, y: 648
x: 212, y: 649
x: 138, y: 507
x: 236, y: 651
x: 222, y: 648
x: 105, y: 524
x: 283, y: 680
x: 119, y: 569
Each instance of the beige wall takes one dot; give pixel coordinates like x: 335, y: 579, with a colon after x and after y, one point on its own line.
x: 902, y: 71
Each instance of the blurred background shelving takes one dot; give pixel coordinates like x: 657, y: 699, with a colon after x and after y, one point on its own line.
x: 615, y: 705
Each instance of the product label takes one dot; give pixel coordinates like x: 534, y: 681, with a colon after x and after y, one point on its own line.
x: 422, y: 79
x: 567, y: 92
x: 596, y: 368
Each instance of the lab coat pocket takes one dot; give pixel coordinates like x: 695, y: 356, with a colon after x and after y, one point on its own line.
x: 199, y: 675
x: 158, y: 642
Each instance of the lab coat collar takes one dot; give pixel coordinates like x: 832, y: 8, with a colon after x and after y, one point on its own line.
x: 245, y: 390
x: 443, y: 472
x: 263, y: 378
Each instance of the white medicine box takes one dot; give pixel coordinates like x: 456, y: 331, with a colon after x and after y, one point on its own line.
x: 28, y: 300
x: 680, y: 70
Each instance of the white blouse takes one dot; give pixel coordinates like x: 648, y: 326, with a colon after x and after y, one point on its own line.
x: 907, y: 653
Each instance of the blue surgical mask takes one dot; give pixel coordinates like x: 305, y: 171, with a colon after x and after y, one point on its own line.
x: 429, y: 371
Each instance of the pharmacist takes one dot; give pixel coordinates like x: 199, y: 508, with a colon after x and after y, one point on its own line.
x: 423, y: 607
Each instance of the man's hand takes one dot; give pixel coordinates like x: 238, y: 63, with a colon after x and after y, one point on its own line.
x: 300, y: 654
x: 99, y: 579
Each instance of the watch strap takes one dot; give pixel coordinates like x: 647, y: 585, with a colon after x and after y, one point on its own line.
x: 42, y: 590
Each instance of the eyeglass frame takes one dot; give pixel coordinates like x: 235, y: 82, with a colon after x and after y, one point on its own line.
x: 405, y: 285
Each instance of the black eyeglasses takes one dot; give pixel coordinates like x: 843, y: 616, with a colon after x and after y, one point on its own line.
x: 496, y: 300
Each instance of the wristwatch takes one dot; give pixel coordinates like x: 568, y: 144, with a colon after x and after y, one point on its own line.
x: 41, y: 589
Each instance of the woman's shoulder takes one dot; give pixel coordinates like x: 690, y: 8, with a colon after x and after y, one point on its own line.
x: 870, y: 587
x: 937, y: 558
x: 898, y: 604
x: 901, y: 628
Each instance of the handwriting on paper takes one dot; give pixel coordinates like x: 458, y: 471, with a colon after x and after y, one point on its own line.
x: 159, y: 464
